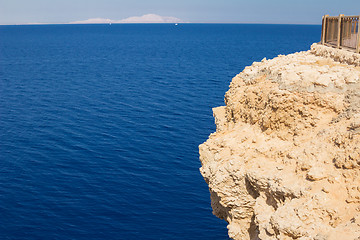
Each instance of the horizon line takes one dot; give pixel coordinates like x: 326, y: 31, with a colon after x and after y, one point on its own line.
x: 34, y: 24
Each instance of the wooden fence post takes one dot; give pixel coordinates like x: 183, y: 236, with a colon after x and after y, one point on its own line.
x: 339, y: 31
x: 323, y: 29
x: 358, y: 36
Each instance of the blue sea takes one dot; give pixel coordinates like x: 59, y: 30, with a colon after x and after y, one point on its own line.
x: 100, y: 124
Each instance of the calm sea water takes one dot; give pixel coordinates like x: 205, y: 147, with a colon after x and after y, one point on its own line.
x: 100, y: 125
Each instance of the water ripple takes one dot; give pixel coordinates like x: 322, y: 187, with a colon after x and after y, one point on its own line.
x: 99, y: 125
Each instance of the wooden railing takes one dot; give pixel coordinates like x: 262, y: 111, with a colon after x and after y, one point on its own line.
x: 341, y: 32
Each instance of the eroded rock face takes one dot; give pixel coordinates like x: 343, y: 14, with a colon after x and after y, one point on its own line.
x: 284, y: 162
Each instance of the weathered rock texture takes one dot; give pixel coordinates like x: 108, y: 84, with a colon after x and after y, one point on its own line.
x: 341, y: 56
x: 284, y: 162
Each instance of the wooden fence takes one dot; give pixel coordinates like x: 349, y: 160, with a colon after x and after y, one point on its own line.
x: 341, y: 32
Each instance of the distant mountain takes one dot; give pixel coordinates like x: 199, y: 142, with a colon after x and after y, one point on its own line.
x: 147, y: 18
x: 93, y: 20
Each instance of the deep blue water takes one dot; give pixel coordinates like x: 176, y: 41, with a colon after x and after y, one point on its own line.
x: 100, y: 125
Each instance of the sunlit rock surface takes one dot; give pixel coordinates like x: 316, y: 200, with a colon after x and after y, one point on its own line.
x: 284, y: 162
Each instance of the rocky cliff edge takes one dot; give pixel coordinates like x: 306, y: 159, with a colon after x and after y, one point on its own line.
x: 284, y: 162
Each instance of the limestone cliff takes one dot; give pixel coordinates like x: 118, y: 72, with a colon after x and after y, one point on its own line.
x: 284, y: 162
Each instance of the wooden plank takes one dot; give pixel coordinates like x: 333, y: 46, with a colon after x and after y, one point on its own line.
x: 352, y: 16
x: 331, y: 30
x: 358, y: 36
x: 339, y: 31
x: 355, y: 27
x: 323, y: 29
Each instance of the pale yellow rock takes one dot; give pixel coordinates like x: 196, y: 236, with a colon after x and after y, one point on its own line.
x: 220, y: 118
x: 284, y: 162
x: 316, y: 173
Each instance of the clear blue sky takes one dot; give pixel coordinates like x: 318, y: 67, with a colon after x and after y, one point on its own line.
x: 221, y: 11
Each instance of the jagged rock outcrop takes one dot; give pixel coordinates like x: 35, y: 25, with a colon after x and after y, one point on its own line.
x: 284, y: 162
